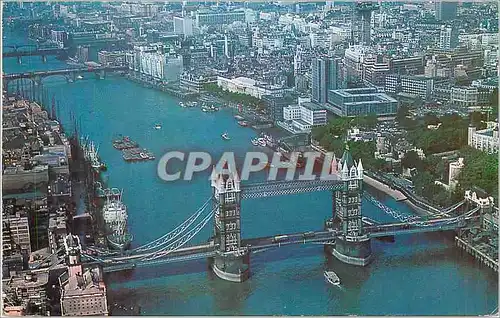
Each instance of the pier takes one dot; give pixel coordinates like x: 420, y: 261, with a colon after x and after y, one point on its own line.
x: 137, y: 154
x: 477, y: 254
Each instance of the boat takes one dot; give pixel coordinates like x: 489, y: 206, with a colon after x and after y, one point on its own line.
x: 225, y: 136
x: 332, y: 278
x: 157, y: 126
x: 238, y: 117
x: 255, y: 142
x: 90, y: 152
x: 115, y: 218
x: 243, y: 123
x: 124, y: 143
x: 262, y: 142
x: 79, y: 77
x: 143, y: 155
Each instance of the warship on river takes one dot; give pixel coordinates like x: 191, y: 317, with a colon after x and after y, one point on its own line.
x: 115, y: 218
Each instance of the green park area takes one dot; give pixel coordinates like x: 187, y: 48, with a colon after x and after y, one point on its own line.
x: 481, y: 169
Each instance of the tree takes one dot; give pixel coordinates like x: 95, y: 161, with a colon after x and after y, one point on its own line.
x: 412, y: 160
x: 476, y: 119
x: 494, y: 103
x: 480, y: 170
x: 431, y: 119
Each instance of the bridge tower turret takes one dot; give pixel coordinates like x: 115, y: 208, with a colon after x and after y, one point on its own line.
x: 353, y: 245
x: 232, y: 260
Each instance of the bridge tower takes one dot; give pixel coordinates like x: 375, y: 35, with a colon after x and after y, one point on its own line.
x: 232, y: 260
x: 353, y: 245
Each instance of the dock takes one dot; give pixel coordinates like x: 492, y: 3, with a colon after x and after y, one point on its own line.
x: 124, y: 143
x: 137, y: 154
x: 477, y: 254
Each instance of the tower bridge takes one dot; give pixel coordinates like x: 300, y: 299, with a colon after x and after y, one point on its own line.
x: 346, y: 234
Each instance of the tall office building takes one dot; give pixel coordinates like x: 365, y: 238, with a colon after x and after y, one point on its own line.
x: 326, y: 75
x: 445, y: 10
x: 361, y: 23
x: 448, y: 38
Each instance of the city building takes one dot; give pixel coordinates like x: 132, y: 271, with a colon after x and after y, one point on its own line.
x: 16, y: 178
x: 154, y: 62
x: 360, y: 102
x: 196, y: 83
x: 485, y: 140
x: 445, y: 10
x: 30, y: 289
x: 83, y: 291
x: 454, y: 170
x: 464, y: 96
x: 301, y: 118
x: 407, y: 65
x: 274, y: 106
x: 59, y: 37
x: 448, y: 37
x: 18, y: 227
x: 114, y: 58
x: 208, y: 18
x: 248, y: 86
x: 326, y: 75
x: 361, y: 22
x: 421, y: 86
x: 354, y: 57
x: 82, y: 53
x: 183, y: 26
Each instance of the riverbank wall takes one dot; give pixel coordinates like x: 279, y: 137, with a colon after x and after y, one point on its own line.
x: 161, y: 87
x: 395, y: 194
x: 420, y: 207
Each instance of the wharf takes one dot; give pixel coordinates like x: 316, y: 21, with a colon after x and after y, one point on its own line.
x: 477, y: 254
x: 124, y: 143
x: 137, y: 154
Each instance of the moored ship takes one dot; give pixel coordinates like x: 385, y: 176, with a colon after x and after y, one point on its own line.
x: 90, y: 152
x: 115, y: 218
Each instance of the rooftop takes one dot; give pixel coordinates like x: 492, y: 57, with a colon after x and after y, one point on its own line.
x: 312, y: 106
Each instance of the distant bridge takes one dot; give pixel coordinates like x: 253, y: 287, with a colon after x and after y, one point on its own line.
x: 70, y: 74
x: 32, y: 50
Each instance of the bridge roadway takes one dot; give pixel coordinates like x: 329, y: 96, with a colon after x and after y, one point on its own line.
x: 124, y: 262
x: 259, y: 243
x: 15, y: 76
x: 36, y: 52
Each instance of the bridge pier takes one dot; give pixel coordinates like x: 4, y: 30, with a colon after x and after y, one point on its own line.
x: 232, y: 267
x: 354, y: 250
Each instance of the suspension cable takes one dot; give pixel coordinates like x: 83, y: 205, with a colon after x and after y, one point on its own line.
x: 180, y: 241
x: 174, y: 233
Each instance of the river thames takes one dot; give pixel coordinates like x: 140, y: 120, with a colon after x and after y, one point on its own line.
x: 416, y: 275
